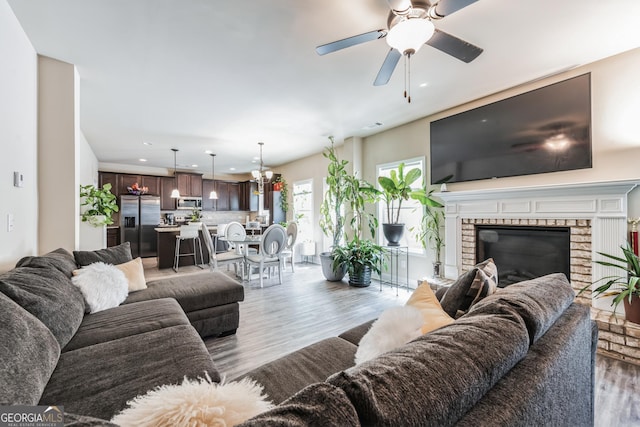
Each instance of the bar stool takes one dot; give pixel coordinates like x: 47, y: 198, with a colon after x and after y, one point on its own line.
x: 188, y: 232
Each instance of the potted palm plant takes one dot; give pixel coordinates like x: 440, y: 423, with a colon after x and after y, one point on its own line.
x: 625, y: 287
x: 395, y: 189
x: 101, y: 204
x: 332, y: 211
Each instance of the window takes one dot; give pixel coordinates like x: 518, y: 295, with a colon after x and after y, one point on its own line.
x: 411, y: 211
x: 303, y: 209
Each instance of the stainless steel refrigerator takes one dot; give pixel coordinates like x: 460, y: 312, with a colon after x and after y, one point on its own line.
x: 139, y: 216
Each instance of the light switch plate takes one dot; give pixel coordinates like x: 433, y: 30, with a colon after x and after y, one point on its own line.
x: 18, y: 179
x: 9, y: 222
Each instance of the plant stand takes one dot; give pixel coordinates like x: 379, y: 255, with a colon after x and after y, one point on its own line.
x: 396, y: 257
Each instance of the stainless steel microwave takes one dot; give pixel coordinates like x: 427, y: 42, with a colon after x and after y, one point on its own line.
x: 189, y: 203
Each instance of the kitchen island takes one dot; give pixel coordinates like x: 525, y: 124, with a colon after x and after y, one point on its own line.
x: 167, y: 247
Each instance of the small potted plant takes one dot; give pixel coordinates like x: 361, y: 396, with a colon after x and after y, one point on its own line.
x: 625, y: 287
x: 361, y: 258
x: 395, y: 189
x: 101, y: 203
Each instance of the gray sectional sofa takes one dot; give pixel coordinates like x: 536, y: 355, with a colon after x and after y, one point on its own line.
x: 53, y: 353
x: 523, y: 356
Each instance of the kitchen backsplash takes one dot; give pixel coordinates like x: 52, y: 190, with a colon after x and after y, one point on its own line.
x: 214, y: 218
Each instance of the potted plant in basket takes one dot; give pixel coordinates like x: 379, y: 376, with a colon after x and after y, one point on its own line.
x: 102, y: 204
x: 395, y: 189
x: 625, y: 287
x: 332, y: 211
x: 361, y: 258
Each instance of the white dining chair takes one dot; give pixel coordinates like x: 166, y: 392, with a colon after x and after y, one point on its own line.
x: 271, y: 245
x: 288, y: 251
x: 223, y: 258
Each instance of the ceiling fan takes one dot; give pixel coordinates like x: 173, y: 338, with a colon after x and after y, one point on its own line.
x: 410, y: 25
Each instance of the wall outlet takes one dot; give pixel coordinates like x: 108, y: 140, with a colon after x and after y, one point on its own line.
x: 9, y: 222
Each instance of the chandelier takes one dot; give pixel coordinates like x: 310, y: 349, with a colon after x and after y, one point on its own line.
x: 261, y: 176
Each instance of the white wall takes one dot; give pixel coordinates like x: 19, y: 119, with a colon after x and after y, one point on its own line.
x: 18, y: 140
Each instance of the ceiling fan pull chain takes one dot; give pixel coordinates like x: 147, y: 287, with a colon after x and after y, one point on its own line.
x: 409, y: 78
x: 405, y: 75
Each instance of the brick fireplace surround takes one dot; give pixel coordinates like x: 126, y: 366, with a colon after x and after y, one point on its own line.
x: 596, y: 215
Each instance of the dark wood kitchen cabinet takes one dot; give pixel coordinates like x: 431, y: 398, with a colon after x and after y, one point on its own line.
x: 208, y: 185
x: 189, y: 184
x: 127, y: 180
x: 109, y: 178
x: 223, y: 195
x: 152, y: 183
x: 249, y: 196
x: 167, y: 184
x: 234, y: 196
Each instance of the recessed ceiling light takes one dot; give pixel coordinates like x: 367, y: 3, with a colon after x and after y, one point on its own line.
x: 147, y: 143
x: 142, y: 160
x: 254, y: 161
x: 194, y: 166
x: 232, y: 169
x: 256, y: 158
x: 208, y: 152
x: 424, y: 84
x: 373, y: 125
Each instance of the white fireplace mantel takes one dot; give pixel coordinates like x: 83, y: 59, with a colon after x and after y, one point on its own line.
x: 603, y: 203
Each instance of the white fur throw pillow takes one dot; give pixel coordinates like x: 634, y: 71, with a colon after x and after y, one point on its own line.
x: 103, y: 285
x: 395, y: 327
x: 195, y: 403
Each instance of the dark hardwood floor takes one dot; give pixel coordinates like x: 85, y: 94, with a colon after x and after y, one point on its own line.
x: 279, y: 319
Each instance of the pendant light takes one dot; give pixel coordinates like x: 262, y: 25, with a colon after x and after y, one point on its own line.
x: 261, y: 176
x: 213, y: 195
x: 175, y: 194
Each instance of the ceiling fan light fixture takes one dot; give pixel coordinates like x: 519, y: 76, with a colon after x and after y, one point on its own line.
x: 409, y: 35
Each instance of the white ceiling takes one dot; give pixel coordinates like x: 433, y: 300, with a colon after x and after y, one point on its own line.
x: 222, y: 75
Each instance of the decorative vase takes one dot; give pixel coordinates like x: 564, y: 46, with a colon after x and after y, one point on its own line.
x: 361, y: 279
x: 326, y: 261
x: 632, y: 310
x: 393, y: 233
x: 437, y: 273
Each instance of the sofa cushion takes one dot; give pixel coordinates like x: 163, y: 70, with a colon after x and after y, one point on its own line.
x: 99, y: 380
x: 103, y: 286
x: 435, y: 379
x: 60, y: 259
x: 193, y: 292
x: 127, y: 320
x: 113, y: 255
x: 538, y: 301
x: 469, y: 288
x: 49, y: 295
x: 134, y: 272
x: 28, y: 355
x: 319, y: 404
x: 355, y: 334
x: 290, y: 374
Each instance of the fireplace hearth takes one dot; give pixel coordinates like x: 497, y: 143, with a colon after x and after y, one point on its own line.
x: 524, y: 252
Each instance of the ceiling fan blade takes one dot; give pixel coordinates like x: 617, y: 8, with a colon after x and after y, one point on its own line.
x: 454, y: 46
x: 387, y: 68
x: 350, y: 41
x: 447, y: 7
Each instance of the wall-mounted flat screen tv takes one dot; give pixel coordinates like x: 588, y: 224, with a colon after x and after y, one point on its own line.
x: 544, y: 130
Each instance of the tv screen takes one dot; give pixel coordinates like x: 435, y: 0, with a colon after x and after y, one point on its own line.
x: 544, y: 130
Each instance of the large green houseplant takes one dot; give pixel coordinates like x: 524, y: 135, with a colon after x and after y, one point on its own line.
x: 625, y: 287
x: 361, y: 258
x: 429, y: 231
x: 332, y: 210
x: 396, y: 188
x: 102, y: 204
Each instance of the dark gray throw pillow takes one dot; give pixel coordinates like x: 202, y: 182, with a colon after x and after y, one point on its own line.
x: 114, y: 255
x: 60, y: 259
x: 470, y: 288
x: 49, y: 295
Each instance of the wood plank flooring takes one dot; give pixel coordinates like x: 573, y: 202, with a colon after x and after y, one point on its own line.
x: 279, y: 319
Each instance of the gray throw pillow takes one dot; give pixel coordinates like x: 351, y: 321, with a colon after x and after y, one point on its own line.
x: 49, y: 295
x: 60, y: 259
x: 28, y: 355
x: 114, y: 255
x: 469, y: 288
